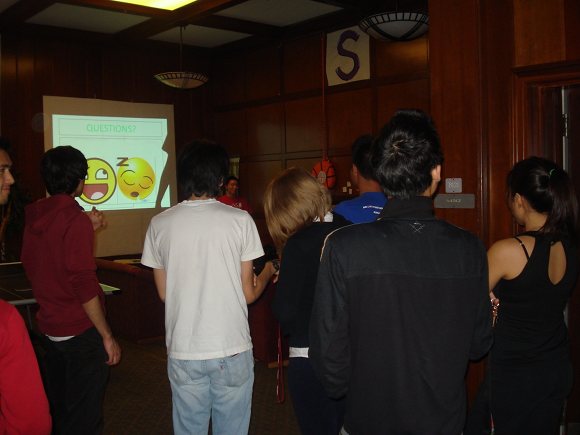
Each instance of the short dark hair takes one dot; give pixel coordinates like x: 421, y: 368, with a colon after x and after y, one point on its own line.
x: 548, y: 189
x: 404, y: 154
x: 230, y: 178
x: 4, y: 144
x: 201, y: 169
x: 62, y: 168
x: 361, y: 156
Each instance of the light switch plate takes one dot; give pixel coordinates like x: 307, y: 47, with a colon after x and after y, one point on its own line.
x: 453, y: 185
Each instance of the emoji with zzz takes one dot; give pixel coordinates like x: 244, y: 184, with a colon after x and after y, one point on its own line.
x: 136, y: 178
x: 100, y: 182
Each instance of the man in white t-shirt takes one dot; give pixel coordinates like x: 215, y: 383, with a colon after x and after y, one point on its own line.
x: 201, y: 252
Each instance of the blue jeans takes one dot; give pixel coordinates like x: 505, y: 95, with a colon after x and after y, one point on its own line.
x: 219, y: 388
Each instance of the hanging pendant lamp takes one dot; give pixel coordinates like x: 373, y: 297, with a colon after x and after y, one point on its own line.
x: 182, y: 79
x: 396, y: 25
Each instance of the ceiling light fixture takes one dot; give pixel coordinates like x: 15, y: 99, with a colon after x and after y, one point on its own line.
x: 168, y: 5
x: 396, y: 26
x: 182, y: 79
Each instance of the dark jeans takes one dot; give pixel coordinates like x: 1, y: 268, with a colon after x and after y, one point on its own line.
x: 317, y: 414
x: 75, y: 379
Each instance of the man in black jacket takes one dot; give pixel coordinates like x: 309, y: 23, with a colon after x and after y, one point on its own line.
x: 402, y: 303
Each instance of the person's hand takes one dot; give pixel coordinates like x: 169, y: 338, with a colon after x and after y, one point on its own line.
x: 97, y: 218
x: 494, y: 307
x: 269, y: 272
x: 276, y: 270
x: 113, y: 350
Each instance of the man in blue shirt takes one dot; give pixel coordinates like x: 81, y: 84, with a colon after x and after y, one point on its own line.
x: 369, y: 204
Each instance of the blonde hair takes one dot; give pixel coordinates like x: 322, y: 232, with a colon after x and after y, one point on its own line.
x: 292, y: 201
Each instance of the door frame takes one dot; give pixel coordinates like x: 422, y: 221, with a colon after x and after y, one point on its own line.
x: 531, y: 87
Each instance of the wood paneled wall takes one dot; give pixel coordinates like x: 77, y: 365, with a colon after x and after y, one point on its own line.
x: 475, y: 48
x: 456, y: 98
x: 271, y: 111
x: 37, y: 64
x: 546, y: 31
x: 498, y: 154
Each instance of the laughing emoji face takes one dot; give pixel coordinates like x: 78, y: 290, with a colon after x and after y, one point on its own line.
x: 100, y: 182
x: 136, y: 178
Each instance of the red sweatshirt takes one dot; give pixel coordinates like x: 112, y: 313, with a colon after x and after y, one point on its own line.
x: 238, y: 202
x: 57, y: 254
x: 23, y: 404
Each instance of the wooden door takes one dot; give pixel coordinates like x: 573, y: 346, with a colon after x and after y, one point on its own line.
x: 571, y: 155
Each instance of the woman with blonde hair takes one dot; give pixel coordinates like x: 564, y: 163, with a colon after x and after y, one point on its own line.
x: 297, y: 209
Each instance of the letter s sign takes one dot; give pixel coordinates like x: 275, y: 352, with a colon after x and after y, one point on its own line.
x: 347, y: 56
x: 348, y: 34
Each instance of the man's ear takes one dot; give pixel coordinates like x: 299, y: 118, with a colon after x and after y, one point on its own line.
x: 354, y: 175
x: 79, y: 189
x: 354, y: 170
x: 436, y: 173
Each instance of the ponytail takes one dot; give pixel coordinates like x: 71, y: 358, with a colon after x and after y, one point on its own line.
x: 549, y: 190
x: 563, y: 217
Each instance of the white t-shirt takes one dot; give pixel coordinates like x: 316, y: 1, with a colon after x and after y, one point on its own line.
x: 201, y: 244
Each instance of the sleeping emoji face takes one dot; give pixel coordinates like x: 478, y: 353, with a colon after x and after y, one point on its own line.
x: 136, y: 178
x: 100, y: 182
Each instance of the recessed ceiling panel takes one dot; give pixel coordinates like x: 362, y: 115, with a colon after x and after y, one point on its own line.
x: 278, y: 12
x: 199, y: 36
x: 5, y: 4
x: 88, y: 19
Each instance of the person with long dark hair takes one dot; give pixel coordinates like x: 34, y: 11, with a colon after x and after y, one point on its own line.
x: 531, y: 277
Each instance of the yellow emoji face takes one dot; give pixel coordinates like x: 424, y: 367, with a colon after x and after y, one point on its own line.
x: 100, y: 182
x: 136, y: 178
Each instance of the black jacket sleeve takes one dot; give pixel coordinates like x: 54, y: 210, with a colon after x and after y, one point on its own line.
x: 329, y: 351
x: 291, y: 283
x: 482, y: 332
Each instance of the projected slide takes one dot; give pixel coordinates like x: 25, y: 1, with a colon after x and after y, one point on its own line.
x: 125, y: 157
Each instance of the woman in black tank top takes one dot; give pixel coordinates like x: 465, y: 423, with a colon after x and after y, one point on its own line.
x: 531, y: 277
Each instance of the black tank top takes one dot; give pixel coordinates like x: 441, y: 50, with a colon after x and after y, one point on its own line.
x: 530, y: 326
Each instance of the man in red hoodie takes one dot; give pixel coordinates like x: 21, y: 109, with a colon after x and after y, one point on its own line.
x: 57, y: 254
